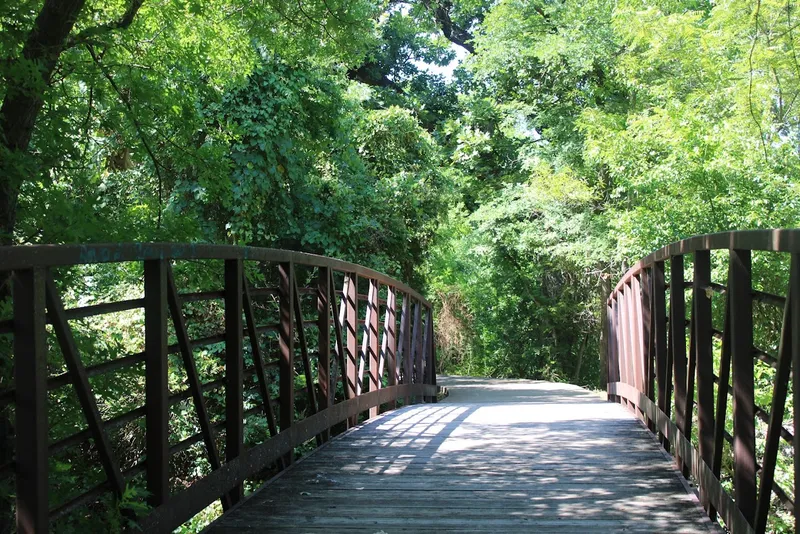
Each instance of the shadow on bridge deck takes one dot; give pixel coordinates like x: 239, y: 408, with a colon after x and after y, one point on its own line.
x: 497, y: 455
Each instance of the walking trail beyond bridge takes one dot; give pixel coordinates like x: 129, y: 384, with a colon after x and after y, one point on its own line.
x: 299, y: 352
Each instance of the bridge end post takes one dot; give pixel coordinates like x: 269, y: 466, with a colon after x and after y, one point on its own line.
x: 234, y: 368
x: 30, y: 367
x: 156, y: 381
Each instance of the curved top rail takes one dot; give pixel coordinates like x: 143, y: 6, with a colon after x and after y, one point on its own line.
x: 778, y: 240
x: 25, y: 257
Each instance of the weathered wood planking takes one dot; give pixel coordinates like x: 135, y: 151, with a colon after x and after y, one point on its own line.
x: 496, y: 456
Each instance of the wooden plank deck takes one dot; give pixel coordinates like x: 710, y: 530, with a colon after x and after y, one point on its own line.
x: 497, y: 455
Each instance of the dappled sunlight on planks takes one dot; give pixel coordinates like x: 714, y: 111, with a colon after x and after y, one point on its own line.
x: 498, y: 456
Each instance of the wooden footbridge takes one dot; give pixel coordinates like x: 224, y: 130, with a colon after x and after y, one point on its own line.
x: 312, y: 386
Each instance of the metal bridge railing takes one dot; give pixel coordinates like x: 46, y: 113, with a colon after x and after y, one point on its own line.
x: 375, y: 347
x: 681, y: 387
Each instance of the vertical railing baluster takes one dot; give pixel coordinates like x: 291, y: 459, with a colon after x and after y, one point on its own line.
x: 677, y: 337
x: 405, y: 342
x: 704, y: 357
x: 635, y: 310
x: 613, y: 353
x: 744, y: 456
x: 647, y: 337
x: 777, y: 408
x: 416, y: 344
x: 430, y: 353
x: 389, y: 342
x: 637, y: 341
x: 326, y: 389
x: 351, y: 331
x: 286, y: 344
x: 156, y: 381
x: 234, y: 368
x: 425, y: 351
x: 371, y: 340
x: 624, y: 339
x: 30, y: 375
x: 794, y: 297
x: 338, y: 325
x: 660, y: 342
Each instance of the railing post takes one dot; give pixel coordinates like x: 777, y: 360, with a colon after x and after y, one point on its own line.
x: 612, y: 353
x: 351, y: 332
x: 430, y: 354
x: 623, y: 336
x: 646, y: 288
x: 405, y: 343
x: 704, y: 356
x: 637, y: 341
x: 605, y: 330
x: 778, y: 405
x: 744, y: 440
x: 389, y: 342
x: 30, y: 367
x: 234, y: 368
x: 424, y: 358
x: 286, y: 344
x: 371, y: 341
x: 324, y: 342
x: 663, y: 370
x: 416, y: 342
x: 156, y: 381
x: 677, y: 337
x: 794, y: 297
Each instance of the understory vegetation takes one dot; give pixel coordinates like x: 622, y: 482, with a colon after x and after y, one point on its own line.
x: 509, y: 158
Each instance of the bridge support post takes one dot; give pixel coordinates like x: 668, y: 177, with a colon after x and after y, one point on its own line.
x: 416, y: 345
x: 428, y: 355
x: 286, y: 344
x: 156, y: 381
x: 646, y: 290
x: 677, y: 337
x: 794, y: 295
x: 324, y: 342
x: 744, y: 439
x: 30, y: 367
x: 663, y: 370
x: 351, y: 333
x: 405, y: 343
x: 389, y: 342
x: 371, y: 341
x: 234, y: 368
x: 704, y: 357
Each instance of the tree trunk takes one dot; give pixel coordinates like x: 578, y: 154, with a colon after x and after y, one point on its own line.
x: 581, y: 352
x: 24, y: 99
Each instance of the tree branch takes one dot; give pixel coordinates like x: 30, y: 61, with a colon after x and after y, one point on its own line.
x: 122, y: 23
x: 139, y: 130
x: 369, y: 73
x: 454, y: 33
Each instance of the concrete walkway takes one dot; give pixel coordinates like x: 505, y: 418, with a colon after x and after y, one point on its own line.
x: 495, y: 456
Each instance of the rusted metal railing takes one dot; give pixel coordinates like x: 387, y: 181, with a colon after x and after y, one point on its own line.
x: 652, y: 372
x: 376, y: 364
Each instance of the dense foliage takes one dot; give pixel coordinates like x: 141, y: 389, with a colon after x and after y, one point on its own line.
x: 563, y: 141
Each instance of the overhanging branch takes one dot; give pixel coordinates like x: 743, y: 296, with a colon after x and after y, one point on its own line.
x: 122, y: 23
